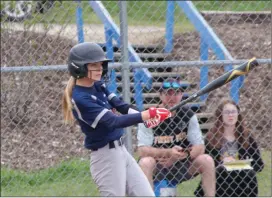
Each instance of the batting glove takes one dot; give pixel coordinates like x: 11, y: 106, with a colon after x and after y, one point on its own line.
x: 159, y: 113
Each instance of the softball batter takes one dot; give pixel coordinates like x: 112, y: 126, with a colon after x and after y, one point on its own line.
x: 86, y: 99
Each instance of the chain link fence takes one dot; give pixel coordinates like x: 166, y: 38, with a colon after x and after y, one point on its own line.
x: 40, y: 156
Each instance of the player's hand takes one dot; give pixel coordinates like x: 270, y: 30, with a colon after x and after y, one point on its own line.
x: 159, y: 113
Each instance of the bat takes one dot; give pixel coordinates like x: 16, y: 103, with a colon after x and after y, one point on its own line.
x: 220, y: 81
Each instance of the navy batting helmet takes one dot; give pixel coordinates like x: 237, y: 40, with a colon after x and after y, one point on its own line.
x: 81, y: 55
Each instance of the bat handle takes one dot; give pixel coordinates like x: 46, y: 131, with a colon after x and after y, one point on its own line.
x: 183, y: 102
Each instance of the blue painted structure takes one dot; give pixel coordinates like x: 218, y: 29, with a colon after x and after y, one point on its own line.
x: 208, y: 40
x: 169, y: 29
x: 113, y: 32
x: 79, y: 22
x: 204, y: 70
x: 141, y: 75
x: 112, y: 86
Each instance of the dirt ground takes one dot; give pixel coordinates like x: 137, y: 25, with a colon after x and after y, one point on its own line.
x: 33, y: 135
x: 143, y: 35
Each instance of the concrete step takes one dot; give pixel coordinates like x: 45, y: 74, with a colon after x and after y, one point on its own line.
x: 190, y: 104
x: 151, y: 57
x: 138, y: 48
x: 157, y: 76
x: 154, y: 74
x: 148, y: 48
x: 184, y: 84
x: 204, y: 115
x: 205, y: 127
x: 157, y: 95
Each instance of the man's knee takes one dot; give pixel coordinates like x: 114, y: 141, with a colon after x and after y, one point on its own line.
x: 205, y: 162
x: 147, y: 163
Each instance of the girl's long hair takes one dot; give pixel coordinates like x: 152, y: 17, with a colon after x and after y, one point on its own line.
x: 67, y: 102
x: 215, y: 135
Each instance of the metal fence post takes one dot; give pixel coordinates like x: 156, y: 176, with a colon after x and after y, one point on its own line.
x: 125, y: 67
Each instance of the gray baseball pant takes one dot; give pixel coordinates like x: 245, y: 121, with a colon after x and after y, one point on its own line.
x: 117, y: 173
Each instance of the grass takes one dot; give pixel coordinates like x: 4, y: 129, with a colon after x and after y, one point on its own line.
x: 72, y: 178
x: 140, y: 13
x: 143, y: 12
x: 264, y: 180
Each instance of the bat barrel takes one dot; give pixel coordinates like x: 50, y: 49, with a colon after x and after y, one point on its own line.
x: 220, y: 81
x: 241, y: 70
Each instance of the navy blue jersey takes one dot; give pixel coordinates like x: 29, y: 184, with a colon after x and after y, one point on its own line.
x: 92, y: 107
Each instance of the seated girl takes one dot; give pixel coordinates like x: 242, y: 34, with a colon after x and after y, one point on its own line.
x: 229, y: 141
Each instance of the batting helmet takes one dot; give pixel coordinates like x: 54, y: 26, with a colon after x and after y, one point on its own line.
x: 83, y: 54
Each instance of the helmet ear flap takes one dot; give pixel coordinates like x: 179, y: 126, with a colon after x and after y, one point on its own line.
x: 85, y: 69
x: 105, y: 68
x: 78, y: 71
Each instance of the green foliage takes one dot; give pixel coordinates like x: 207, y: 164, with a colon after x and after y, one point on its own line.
x: 234, y: 5
x: 139, y: 12
x: 63, y: 180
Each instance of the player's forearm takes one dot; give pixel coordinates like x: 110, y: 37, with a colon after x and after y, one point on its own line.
x: 122, y: 106
x: 148, y: 151
x: 113, y: 121
x: 197, y: 150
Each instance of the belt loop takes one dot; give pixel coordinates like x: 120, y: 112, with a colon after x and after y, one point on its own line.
x: 111, y: 145
x: 122, y: 140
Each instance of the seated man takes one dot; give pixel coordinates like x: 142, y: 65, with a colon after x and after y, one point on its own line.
x: 174, y: 150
